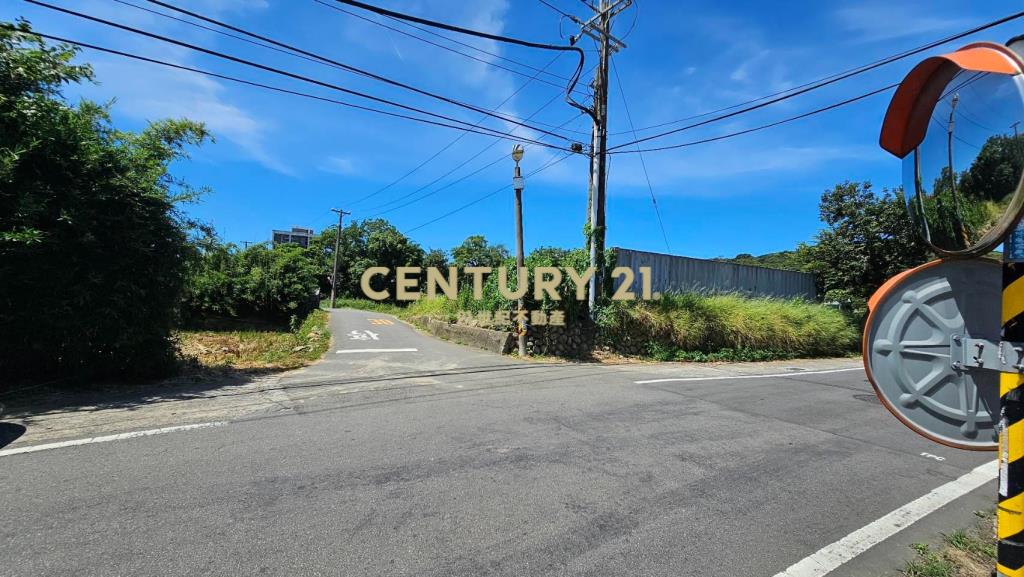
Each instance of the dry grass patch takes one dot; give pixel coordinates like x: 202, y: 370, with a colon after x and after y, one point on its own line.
x: 258, y: 348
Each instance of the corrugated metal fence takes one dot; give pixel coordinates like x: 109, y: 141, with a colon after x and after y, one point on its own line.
x: 682, y: 274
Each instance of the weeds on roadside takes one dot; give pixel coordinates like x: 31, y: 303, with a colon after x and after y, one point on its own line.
x: 963, y: 553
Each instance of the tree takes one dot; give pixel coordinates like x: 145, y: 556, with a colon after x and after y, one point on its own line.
x: 92, y: 247
x: 365, y: 244
x: 785, y: 260
x: 474, y: 251
x: 869, y: 238
x: 436, y: 258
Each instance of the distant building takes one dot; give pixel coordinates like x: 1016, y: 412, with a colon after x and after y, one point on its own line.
x: 296, y: 235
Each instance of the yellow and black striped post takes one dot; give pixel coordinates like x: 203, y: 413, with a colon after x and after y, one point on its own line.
x: 1010, y: 512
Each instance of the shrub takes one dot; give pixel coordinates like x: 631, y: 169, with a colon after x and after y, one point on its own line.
x: 279, y: 285
x: 746, y: 327
x: 92, y: 249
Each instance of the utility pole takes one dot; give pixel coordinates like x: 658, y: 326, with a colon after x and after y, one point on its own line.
x: 337, y: 248
x: 599, y: 28
x: 518, y: 184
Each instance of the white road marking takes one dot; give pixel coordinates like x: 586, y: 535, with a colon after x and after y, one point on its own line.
x: 830, y: 557
x: 344, y: 351
x: 108, y: 438
x: 728, y: 377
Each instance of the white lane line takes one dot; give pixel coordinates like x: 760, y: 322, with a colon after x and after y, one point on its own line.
x: 344, y: 351
x: 108, y: 438
x: 828, y: 558
x: 730, y: 377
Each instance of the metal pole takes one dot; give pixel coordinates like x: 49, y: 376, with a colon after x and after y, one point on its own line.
x: 599, y: 160
x: 1010, y: 512
x: 520, y: 259
x: 337, y: 249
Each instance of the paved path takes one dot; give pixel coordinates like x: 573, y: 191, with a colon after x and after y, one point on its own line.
x: 450, y: 461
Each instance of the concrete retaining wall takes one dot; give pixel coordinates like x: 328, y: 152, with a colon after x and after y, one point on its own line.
x: 495, y: 341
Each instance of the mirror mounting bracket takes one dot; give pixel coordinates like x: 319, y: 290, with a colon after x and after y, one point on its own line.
x: 966, y: 353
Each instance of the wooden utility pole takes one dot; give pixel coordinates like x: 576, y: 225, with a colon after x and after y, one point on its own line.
x: 599, y: 28
x: 337, y: 249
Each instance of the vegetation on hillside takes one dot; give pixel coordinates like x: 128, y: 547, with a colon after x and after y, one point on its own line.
x: 867, y: 239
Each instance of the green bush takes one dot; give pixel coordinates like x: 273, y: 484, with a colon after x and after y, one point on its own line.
x: 92, y: 248
x: 279, y: 284
x: 690, y: 326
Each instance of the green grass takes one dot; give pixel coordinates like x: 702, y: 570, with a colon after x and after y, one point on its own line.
x: 257, y: 346
x: 439, y: 308
x: 730, y: 327
x: 928, y: 564
x: 967, y: 552
x: 693, y: 327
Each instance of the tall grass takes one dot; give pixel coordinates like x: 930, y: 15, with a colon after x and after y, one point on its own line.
x: 435, y: 308
x: 709, y: 323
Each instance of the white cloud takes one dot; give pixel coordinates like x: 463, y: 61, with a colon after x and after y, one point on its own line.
x: 339, y: 165
x: 878, y: 21
x: 150, y: 92
x: 145, y: 92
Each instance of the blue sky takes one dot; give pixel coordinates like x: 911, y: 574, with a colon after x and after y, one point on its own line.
x: 281, y: 161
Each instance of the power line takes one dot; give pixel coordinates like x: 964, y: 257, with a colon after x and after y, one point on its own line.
x: 486, y: 196
x: 764, y: 126
x: 260, y: 85
x: 288, y: 52
x: 454, y: 182
x: 808, y: 87
x: 354, y: 69
x: 456, y: 139
x: 489, y: 36
x: 453, y: 50
x: 236, y: 59
x: 650, y: 188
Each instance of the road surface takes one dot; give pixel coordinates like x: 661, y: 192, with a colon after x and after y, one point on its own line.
x: 452, y: 461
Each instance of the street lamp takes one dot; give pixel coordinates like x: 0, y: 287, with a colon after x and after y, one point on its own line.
x: 518, y: 184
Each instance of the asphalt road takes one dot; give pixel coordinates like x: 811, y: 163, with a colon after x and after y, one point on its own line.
x: 458, y: 462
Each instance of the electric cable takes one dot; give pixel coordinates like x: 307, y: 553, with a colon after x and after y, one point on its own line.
x: 808, y: 87
x: 454, y: 182
x: 354, y: 69
x: 643, y: 164
x: 269, y: 87
x: 764, y: 126
x: 486, y: 196
x: 283, y: 72
x: 455, y: 140
x: 327, y: 4
x: 497, y: 37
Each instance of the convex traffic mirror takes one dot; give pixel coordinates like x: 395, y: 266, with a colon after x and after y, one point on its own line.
x: 962, y: 149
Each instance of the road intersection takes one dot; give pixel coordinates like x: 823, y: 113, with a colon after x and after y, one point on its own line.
x: 412, y: 456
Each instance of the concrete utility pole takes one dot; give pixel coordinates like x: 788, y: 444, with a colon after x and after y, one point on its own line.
x: 518, y: 184
x: 337, y: 248
x: 599, y: 28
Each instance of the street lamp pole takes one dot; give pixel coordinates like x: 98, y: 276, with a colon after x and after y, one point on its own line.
x: 518, y: 184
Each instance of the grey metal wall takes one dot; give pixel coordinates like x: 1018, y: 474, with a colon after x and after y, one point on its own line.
x: 682, y: 274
